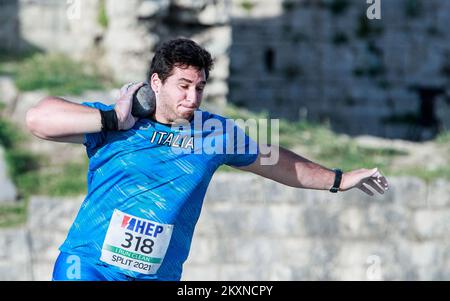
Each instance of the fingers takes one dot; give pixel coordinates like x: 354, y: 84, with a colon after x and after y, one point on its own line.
x: 133, y: 88
x: 375, y: 172
x: 367, y: 180
x: 124, y: 89
x: 377, y: 181
x: 365, y: 189
x: 130, y: 88
x: 382, y: 181
x: 375, y: 185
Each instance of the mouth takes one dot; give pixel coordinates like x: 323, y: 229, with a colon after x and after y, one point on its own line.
x: 189, y: 107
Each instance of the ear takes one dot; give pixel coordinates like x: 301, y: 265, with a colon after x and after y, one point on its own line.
x: 156, y: 83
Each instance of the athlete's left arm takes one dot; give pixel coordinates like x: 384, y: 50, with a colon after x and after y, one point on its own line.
x: 296, y: 171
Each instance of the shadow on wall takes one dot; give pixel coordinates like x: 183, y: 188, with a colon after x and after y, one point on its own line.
x: 325, y: 61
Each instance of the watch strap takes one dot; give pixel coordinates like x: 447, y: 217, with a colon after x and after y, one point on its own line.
x: 337, y: 181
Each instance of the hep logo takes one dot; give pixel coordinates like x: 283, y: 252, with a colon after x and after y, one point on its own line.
x: 125, y: 221
x: 141, y: 226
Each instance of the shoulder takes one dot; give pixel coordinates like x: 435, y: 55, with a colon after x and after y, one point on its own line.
x: 205, y: 115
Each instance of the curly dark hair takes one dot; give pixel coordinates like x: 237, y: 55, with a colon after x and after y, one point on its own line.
x: 180, y: 52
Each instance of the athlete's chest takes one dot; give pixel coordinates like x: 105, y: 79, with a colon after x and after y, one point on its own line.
x: 164, y: 153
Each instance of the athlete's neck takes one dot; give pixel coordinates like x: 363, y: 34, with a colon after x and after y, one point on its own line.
x: 166, y: 121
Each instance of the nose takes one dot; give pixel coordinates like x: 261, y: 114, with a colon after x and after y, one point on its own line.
x: 193, y: 96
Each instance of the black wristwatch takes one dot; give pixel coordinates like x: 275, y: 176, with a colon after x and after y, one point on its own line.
x: 337, y: 181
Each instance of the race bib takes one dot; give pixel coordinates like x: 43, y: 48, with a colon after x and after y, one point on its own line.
x: 135, y: 244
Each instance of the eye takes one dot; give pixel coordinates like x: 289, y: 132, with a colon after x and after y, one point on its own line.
x: 184, y: 87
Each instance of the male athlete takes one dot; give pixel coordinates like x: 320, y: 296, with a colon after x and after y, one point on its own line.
x: 147, y: 177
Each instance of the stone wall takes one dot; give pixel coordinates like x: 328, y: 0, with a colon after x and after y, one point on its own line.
x: 124, y: 46
x: 321, y: 60
x: 326, y: 61
x: 256, y: 229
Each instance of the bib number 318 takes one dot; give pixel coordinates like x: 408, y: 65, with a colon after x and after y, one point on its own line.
x: 135, y: 244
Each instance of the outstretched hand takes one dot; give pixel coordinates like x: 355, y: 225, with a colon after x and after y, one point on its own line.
x: 363, y: 179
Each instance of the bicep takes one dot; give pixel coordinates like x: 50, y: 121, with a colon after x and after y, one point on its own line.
x: 262, y: 168
x: 283, y: 170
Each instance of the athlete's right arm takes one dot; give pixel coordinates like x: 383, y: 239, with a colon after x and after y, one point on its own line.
x: 57, y: 119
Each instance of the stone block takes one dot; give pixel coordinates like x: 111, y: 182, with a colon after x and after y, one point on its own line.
x: 204, y: 250
x: 206, y: 272
x: 225, y: 220
x: 280, y: 272
x: 235, y: 187
x: 374, y: 222
x: 277, y: 221
x: 438, y: 195
x: 43, y: 271
x: 239, y: 272
x: 15, y: 255
x: 408, y: 191
x: 53, y: 214
x: 215, y: 13
x: 432, y: 224
x: 8, y: 91
x: 15, y: 271
x: 250, y: 250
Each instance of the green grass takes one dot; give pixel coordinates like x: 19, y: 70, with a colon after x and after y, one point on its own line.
x: 57, y: 74
x: 10, y: 136
x: 66, y: 180
x: 10, y: 61
x: 13, y: 215
x: 350, y: 156
x: 443, y: 138
x: 424, y: 174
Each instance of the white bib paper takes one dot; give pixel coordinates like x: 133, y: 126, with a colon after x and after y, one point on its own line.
x: 135, y: 244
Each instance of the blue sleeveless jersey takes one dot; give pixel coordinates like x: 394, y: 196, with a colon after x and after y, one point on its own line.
x: 146, y: 188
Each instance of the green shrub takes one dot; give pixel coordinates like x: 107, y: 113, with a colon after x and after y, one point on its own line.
x: 9, y: 134
x: 247, y: 5
x: 56, y: 73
